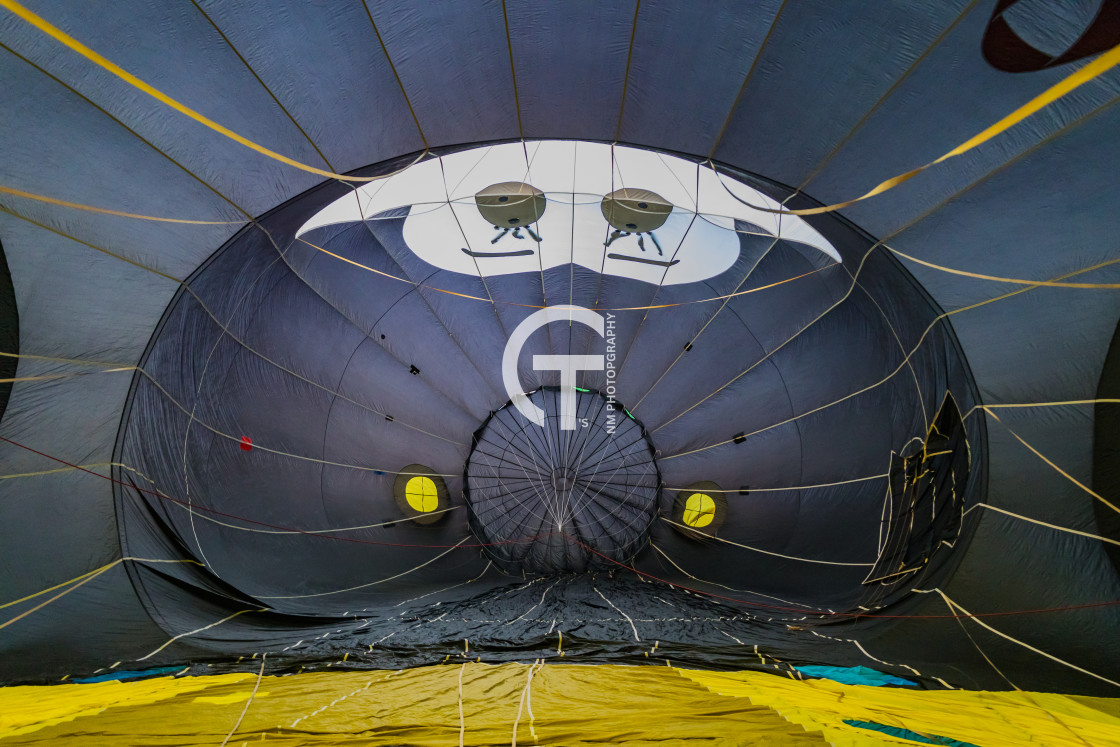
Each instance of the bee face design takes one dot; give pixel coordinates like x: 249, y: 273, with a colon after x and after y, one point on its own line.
x: 529, y: 207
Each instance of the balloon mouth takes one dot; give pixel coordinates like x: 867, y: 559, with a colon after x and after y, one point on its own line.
x: 547, y: 500
x: 563, y: 479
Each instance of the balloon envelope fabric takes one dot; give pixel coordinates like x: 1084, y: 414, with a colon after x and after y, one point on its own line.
x: 381, y: 333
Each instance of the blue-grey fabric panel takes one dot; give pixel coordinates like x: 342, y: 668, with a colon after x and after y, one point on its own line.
x: 453, y: 63
x: 837, y: 100
x: 554, y: 101
x: 181, y: 54
x: 685, y: 75
x: 801, y: 100
x: 318, y: 61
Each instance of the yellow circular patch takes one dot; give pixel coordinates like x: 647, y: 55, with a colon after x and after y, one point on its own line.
x: 699, y: 510
x: 420, y: 492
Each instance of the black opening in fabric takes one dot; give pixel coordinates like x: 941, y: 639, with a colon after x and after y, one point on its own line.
x: 9, y: 332
x: 1106, y: 450
x: 553, y: 500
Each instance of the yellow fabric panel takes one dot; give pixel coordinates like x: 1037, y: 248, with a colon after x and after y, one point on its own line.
x: 570, y: 705
x: 234, y: 698
x: 565, y: 704
x: 27, y: 709
x: 989, y: 719
x: 420, y: 492
x: 699, y: 510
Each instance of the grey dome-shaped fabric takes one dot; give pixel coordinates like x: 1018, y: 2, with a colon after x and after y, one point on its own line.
x: 814, y: 102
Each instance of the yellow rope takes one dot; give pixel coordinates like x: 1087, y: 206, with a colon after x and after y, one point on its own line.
x: 537, y: 306
x: 764, y: 552
x: 1078, y: 78
x: 86, y: 576
x: 1047, y: 404
x: 1058, y: 469
x: 1016, y: 281
x: 158, y: 219
x: 1046, y: 524
x: 248, y: 702
x: 52, y: 377
x: 1027, y: 646
x: 91, y: 209
x: 61, y: 36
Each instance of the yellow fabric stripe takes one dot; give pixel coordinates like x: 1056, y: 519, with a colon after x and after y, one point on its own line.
x: 40, y: 473
x: 199, y: 630
x: 56, y: 359
x: 1063, y: 403
x: 52, y: 377
x: 158, y: 219
x: 1059, y: 470
x: 764, y: 552
x: 387, y: 275
x: 1079, y: 77
x: 39, y: 606
x: 1016, y: 281
x: 1047, y: 524
x: 776, y: 490
x: 94, y: 572
x: 1085, y: 74
x: 954, y: 606
x: 536, y: 306
x: 87, y: 575
x: 237, y: 697
x: 722, y: 298
x: 103, y: 211
x: 61, y: 36
x: 889, y: 376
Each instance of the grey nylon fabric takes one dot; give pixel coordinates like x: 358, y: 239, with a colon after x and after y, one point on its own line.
x: 1037, y: 202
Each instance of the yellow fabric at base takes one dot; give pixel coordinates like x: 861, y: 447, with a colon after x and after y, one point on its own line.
x: 27, y: 709
x: 233, y: 698
x: 989, y: 719
x: 567, y: 705
x: 564, y: 704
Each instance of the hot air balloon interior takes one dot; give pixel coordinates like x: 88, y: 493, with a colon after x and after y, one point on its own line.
x: 560, y: 373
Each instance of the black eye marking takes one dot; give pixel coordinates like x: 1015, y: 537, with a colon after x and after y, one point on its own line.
x: 1005, y: 50
x: 520, y: 253
x: 643, y: 260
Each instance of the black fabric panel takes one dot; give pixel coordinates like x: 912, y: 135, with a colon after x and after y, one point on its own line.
x: 344, y: 369
x: 9, y: 332
x: 1106, y: 449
